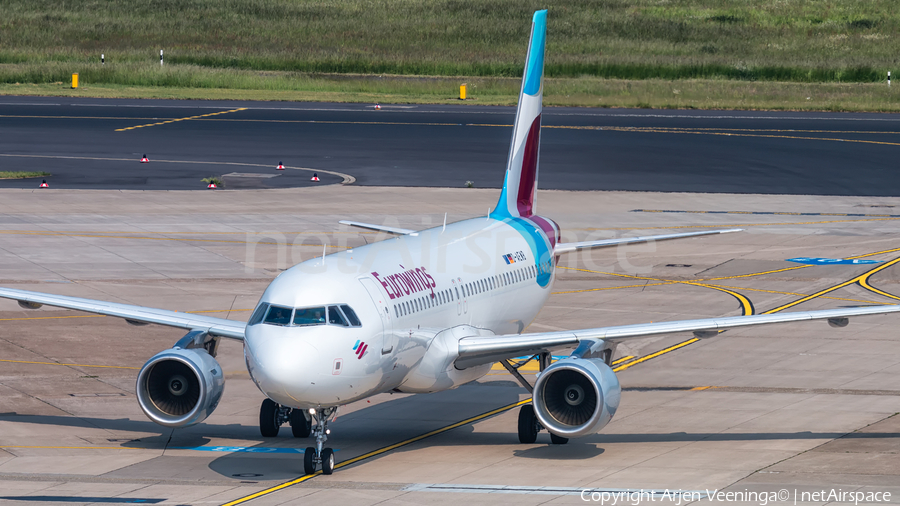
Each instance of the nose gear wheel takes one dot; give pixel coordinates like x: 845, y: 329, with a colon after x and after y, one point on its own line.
x: 319, y: 455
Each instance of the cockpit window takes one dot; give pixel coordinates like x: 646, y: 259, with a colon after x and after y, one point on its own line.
x: 309, y: 316
x: 278, y: 315
x: 351, y: 315
x: 257, y: 315
x: 335, y: 317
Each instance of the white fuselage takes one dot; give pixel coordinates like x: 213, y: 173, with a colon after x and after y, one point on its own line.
x: 486, y: 275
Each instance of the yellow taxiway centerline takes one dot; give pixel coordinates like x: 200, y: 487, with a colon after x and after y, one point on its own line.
x: 180, y: 119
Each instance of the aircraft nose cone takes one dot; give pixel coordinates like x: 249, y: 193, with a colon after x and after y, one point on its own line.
x: 281, y: 365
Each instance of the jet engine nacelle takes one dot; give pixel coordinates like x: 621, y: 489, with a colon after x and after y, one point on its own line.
x: 180, y: 387
x: 575, y: 396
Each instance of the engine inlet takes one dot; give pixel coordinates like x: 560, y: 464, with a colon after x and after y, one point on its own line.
x: 173, y: 387
x: 569, y: 397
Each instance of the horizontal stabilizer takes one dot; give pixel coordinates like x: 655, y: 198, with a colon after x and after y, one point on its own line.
x: 379, y: 228
x: 569, y: 247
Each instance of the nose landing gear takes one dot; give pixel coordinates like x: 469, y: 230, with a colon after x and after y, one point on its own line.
x: 313, y: 456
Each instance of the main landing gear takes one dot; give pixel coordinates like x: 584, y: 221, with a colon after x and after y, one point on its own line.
x: 313, y: 456
x: 272, y: 416
x: 529, y: 426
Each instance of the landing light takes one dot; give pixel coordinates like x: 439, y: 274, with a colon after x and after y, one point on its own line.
x: 312, y: 411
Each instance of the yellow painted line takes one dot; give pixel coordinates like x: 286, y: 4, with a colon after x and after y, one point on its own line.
x: 695, y: 132
x: 754, y: 274
x: 854, y: 132
x: 697, y: 389
x: 180, y: 119
x: 80, y: 447
x: 865, y: 284
x: 145, y: 238
x: 623, y: 359
x: 654, y: 355
x: 863, y: 277
x: 114, y: 233
x: 52, y: 317
x: 77, y: 117
x: 776, y: 292
x: 104, y: 316
x: 767, y: 213
x: 610, y: 287
x: 69, y: 365
x: 835, y: 287
x: 273, y: 489
x: 218, y: 311
x: 209, y: 117
x: 379, y: 451
x: 746, y: 304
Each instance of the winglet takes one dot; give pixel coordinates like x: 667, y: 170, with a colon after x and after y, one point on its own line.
x: 520, y: 184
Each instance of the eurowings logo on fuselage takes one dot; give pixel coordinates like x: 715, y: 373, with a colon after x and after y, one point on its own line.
x: 408, y: 282
x: 360, y: 348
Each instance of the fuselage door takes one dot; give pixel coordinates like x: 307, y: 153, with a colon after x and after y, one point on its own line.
x: 380, y: 300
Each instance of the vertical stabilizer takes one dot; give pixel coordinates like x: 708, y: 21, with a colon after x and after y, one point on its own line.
x: 517, y: 198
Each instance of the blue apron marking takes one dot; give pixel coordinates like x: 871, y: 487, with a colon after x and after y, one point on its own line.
x: 832, y: 261
x: 243, y: 449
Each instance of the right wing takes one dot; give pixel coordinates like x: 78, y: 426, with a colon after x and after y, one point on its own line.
x: 488, y: 349
x: 569, y: 247
x: 380, y: 228
x: 216, y: 326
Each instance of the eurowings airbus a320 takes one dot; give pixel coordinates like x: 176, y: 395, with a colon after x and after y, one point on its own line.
x: 422, y: 312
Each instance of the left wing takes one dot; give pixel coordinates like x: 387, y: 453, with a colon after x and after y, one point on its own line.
x: 482, y: 350
x: 134, y: 314
x: 569, y: 247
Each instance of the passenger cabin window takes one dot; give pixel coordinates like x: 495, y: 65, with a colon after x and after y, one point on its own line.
x: 278, y: 315
x: 309, y: 316
x: 257, y: 315
x: 335, y: 317
x: 351, y: 315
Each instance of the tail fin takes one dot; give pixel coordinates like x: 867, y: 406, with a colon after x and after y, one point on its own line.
x: 517, y: 198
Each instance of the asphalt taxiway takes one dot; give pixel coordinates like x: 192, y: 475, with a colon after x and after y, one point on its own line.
x: 90, y: 143
x: 797, y: 407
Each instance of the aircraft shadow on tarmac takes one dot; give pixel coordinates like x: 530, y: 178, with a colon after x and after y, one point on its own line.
x: 379, y: 425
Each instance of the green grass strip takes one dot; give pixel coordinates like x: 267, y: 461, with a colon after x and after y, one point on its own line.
x: 21, y: 174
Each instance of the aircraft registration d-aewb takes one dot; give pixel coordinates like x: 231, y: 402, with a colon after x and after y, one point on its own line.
x: 422, y: 312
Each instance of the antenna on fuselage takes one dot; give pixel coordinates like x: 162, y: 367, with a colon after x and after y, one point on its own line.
x: 445, y: 223
x: 324, y: 245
